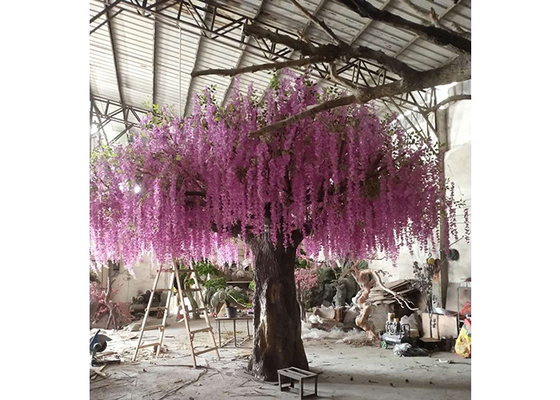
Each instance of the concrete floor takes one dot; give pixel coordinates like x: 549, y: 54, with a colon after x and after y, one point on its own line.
x: 345, y: 372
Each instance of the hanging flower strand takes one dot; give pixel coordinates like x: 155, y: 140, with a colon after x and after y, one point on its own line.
x: 346, y: 179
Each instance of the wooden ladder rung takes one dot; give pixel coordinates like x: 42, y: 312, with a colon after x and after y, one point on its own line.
x: 148, y: 345
x: 208, y: 328
x: 161, y: 327
x: 153, y: 327
x: 196, y: 353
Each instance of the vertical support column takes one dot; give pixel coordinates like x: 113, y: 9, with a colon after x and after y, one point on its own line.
x: 443, y: 138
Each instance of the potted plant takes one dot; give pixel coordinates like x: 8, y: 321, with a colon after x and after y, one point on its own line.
x: 231, y: 312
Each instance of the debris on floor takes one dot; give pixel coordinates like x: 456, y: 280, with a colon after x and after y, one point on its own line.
x: 406, y: 350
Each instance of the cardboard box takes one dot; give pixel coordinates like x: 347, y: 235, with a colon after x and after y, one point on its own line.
x: 443, y: 326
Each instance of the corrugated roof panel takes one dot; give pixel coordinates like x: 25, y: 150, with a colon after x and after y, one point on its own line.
x: 103, y: 78
x: 176, y: 49
x: 169, y: 87
x: 245, y: 7
x: 134, y: 45
x: 284, y: 15
x: 464, y: 10
x: 134, y: 36
x: 404, y: 11
x: 390, y: 33
x: 344, y: 22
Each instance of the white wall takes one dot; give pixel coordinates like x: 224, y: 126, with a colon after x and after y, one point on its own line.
x: 129, y: 286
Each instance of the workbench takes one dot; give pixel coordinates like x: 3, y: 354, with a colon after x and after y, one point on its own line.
x: 219, y: 321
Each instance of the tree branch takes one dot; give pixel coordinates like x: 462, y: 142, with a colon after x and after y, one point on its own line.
x: 457, y: 71
x: 446, y: 101
x: 260, y: 67
x: 402, y: 301
x: 434, y: 19
x: 435, y: 35
x: 318, y: 22
x: 332, y: 52
x: 264, y: 133
x: 341, y: 81
x: 389, y: 63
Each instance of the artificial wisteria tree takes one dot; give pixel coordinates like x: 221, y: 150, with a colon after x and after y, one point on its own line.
x: 342, y: 180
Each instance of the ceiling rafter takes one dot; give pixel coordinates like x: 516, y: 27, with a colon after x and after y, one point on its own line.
x: 223, y: 22
x: 405, y: 47
x: 155, y: 59
x: 116, y: 61
x: 416, y: 37
x: 105, y: 117
x: 107, y: 8
x: 241, y: 56
x: 200, y: 44
x: 316, y: 71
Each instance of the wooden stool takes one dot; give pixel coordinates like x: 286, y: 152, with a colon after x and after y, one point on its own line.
x: 294, y: 374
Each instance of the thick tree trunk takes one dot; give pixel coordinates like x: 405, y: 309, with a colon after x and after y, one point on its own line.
x: 277, y: 341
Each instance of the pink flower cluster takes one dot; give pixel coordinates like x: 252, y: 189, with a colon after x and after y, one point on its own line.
x: 306, y: 279
x: 346, y: 179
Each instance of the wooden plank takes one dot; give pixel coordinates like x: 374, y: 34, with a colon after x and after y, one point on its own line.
x: 289, y: 374
x: 205, y: 350
x: 148, y: 345
x: 153, y: 327
x: 208, y: 328
x: 302, y: 371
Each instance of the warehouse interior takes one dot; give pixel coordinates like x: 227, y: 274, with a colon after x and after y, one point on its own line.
x: 275, y: 202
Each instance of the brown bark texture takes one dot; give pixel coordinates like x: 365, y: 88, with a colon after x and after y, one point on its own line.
x: 277, y: 339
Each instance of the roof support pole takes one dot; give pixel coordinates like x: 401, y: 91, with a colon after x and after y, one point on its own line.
x: 116, y: 61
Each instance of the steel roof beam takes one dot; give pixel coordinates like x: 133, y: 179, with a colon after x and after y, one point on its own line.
x: 105, y: 21
x: 116, y: 60
x: 197, y: 56
x: 106, y: 9
x: 411, y: 42
x: 203, y: 30
x: 241, y: 56
x: 154, y: 59
x: 105, y: 117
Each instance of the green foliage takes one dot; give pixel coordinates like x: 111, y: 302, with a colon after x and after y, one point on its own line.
x: 252, y: 286
x: 217, y: 283
x: 229, y: 296
x: 203, y: 99
x: 275, y: 79
x: 103, y: 151
x: 204, y: 268
x: 238, y: 296
x: 158, y: 115
x: 343, y: 264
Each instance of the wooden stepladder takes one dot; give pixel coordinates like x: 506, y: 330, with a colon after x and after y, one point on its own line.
x: 190, y: 332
